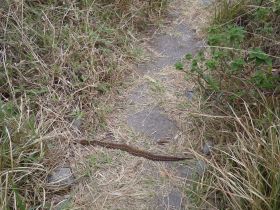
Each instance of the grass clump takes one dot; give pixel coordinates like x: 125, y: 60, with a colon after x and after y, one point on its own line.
x: 239, y: 74
x: 21, y: 167
x: 59, y: 62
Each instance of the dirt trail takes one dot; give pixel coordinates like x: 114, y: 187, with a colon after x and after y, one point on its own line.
x: 152, y: 111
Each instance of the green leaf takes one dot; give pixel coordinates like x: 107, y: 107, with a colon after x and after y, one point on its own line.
x: 212, y: 82
x: 103, y: 87
x: 188, y: 56
x: 217, y: 54
x: 200, y: 56
x: 211, y: 64
x: 216, y: 39
x: 263, y: 80
x: 179, y: 65
x: 260, y: 57
x: 262, y: 14
x: 194, y: 65
x: 237, y: 64
x: 235, y: 34
x: 19, y: 200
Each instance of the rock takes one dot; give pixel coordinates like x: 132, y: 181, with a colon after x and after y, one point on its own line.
x: 189, y: 94
x: 77, y: 123
x: 276, y: 73
x: 153, y: 123
x: 174, y: 201
x: 171, y: 48
x: 201, y: 167
x: 207, y: 148
x: 139, y: 95
x: 184, y: 171
x: 195, y: 168
x: 207, y: 2
x: 61, y: 177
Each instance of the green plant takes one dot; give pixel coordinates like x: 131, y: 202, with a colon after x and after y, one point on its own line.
x: 235, y: 74
x: 226, y: 63
x: 179, y: 65
x: 57, y: 57
x: 21, y: 155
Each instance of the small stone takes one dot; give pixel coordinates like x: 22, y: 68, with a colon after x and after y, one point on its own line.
x: 201, y: 167
x: 61, y: 176
x: 276, y: 73
x: 207, y: 2
x: 184, y: 171
x: 77, y: 123
x: 153, y: 123
x: 174, y: 200
x: 207, y: 148
x: 189, y: 94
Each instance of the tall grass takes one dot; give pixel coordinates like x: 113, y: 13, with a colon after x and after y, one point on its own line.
x: 22, y: 171
x: 59, y: 61
x: 239, y: 74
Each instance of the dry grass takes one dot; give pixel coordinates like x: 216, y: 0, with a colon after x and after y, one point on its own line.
x: 244, y: 163
x: 117, y: 180
x: 60, y: 62
x: 241, y: 110
x: 198, y: 15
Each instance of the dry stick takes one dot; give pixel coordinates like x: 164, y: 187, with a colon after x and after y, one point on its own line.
x: 132, y: 150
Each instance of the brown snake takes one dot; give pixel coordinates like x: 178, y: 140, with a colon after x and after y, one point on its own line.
x: 132, y: 150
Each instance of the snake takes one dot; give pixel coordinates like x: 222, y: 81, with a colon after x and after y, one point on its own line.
x: 131, y: 150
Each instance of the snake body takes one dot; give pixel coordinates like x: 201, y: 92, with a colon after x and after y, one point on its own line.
x: 132, y: 150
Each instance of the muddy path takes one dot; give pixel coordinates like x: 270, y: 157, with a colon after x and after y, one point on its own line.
x: 153, y: 113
